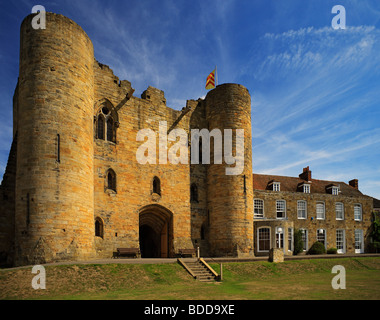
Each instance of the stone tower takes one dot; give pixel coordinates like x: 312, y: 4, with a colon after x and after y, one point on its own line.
x: 54, y: 209
x: 73, y: 189
x: 230, y: 197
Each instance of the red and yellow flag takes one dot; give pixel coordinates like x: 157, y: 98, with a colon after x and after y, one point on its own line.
x: 210, y: 83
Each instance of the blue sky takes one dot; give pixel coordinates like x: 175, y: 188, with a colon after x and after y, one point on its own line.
x: 315, y: 90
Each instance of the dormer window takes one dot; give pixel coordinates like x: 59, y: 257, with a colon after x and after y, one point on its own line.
x: 333, y: 189
x: 306, y: 188
x: 275, y: 186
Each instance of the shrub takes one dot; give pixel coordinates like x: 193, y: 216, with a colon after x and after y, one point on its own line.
x: 332, y: 251
x: 298, y: 243
x: 317, y: 248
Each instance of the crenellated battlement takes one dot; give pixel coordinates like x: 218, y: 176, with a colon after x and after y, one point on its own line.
x: 78, y: 190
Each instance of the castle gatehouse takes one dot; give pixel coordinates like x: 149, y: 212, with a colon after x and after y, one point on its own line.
x: 74, y: 190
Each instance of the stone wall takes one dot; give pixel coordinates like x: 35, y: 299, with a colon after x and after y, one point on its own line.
x: 7, y: 207
x: 121, y: 209
x: 276, y: 255
x: 311, y: 223
x: 54, y: 182
x: 230, y: 196
x: 57, y: 201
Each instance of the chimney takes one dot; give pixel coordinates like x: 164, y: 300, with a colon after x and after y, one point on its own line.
x: 306, y: 174
x: 354, y: 183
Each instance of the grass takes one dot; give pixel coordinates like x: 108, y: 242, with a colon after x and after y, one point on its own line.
x: 291, y: 280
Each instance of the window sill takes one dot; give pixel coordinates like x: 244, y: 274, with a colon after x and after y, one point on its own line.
x: 111, y: 143
x: 156, y: 197
x: 111, y: 193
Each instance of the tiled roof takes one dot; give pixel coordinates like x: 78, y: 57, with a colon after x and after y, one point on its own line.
x: 292, y: 184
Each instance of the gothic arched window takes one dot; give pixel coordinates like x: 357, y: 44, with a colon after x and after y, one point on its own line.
x: 100, y: 128
x: 99, y: 228
x: 111, y: 180
x: 106, y: 122
x: 110, y: 129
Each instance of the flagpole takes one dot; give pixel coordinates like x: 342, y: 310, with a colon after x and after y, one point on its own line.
x: 216, y: 77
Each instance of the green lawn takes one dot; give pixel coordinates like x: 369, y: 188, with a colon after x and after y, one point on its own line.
x: 304, y: 279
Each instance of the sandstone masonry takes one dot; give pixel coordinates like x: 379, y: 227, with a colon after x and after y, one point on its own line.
x: 73, y: 189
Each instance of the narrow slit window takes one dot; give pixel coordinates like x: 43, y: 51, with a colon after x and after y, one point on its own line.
x: 58, y: 148
x: 156, y: 185
x: 28, y: 209
x: 203, y: 232
x: 194, y: 193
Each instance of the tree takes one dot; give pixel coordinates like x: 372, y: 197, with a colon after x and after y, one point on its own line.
x: 375, y: 231
x: 298, y: 243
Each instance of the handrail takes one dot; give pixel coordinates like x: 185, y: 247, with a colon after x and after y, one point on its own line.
x: 186, y: 267
x: 208, y: 267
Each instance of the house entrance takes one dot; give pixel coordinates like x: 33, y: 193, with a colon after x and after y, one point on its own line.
x: 155, y: 232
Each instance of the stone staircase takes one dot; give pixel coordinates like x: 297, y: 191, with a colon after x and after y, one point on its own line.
x: 200, y: 270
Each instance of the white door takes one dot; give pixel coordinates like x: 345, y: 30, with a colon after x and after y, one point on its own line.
x: 279, y: 238
x: 359, y: 247
x: 340, y: 241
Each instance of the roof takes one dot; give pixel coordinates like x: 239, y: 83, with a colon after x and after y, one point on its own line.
x: 292, y: 184
x: 376, y: 203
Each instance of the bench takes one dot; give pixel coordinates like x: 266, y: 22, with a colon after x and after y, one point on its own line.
x: 128, y: 251
x: 189, y: 252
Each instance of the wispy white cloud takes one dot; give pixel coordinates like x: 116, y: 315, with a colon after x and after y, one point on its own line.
x: 321, y: 102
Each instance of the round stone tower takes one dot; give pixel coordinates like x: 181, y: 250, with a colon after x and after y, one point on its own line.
x: 54, y: 215
x: 230, y: 195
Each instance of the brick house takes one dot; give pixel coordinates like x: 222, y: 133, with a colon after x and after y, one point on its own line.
x: 334, y: 213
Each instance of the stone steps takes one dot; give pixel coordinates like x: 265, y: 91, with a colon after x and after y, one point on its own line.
x: 199, y: 271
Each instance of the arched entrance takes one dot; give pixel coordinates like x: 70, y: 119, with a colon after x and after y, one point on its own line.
x: 156, y: 235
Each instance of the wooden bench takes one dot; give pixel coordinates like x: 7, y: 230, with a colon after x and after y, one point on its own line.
x: 188, y: 252
x: 128, y: 252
